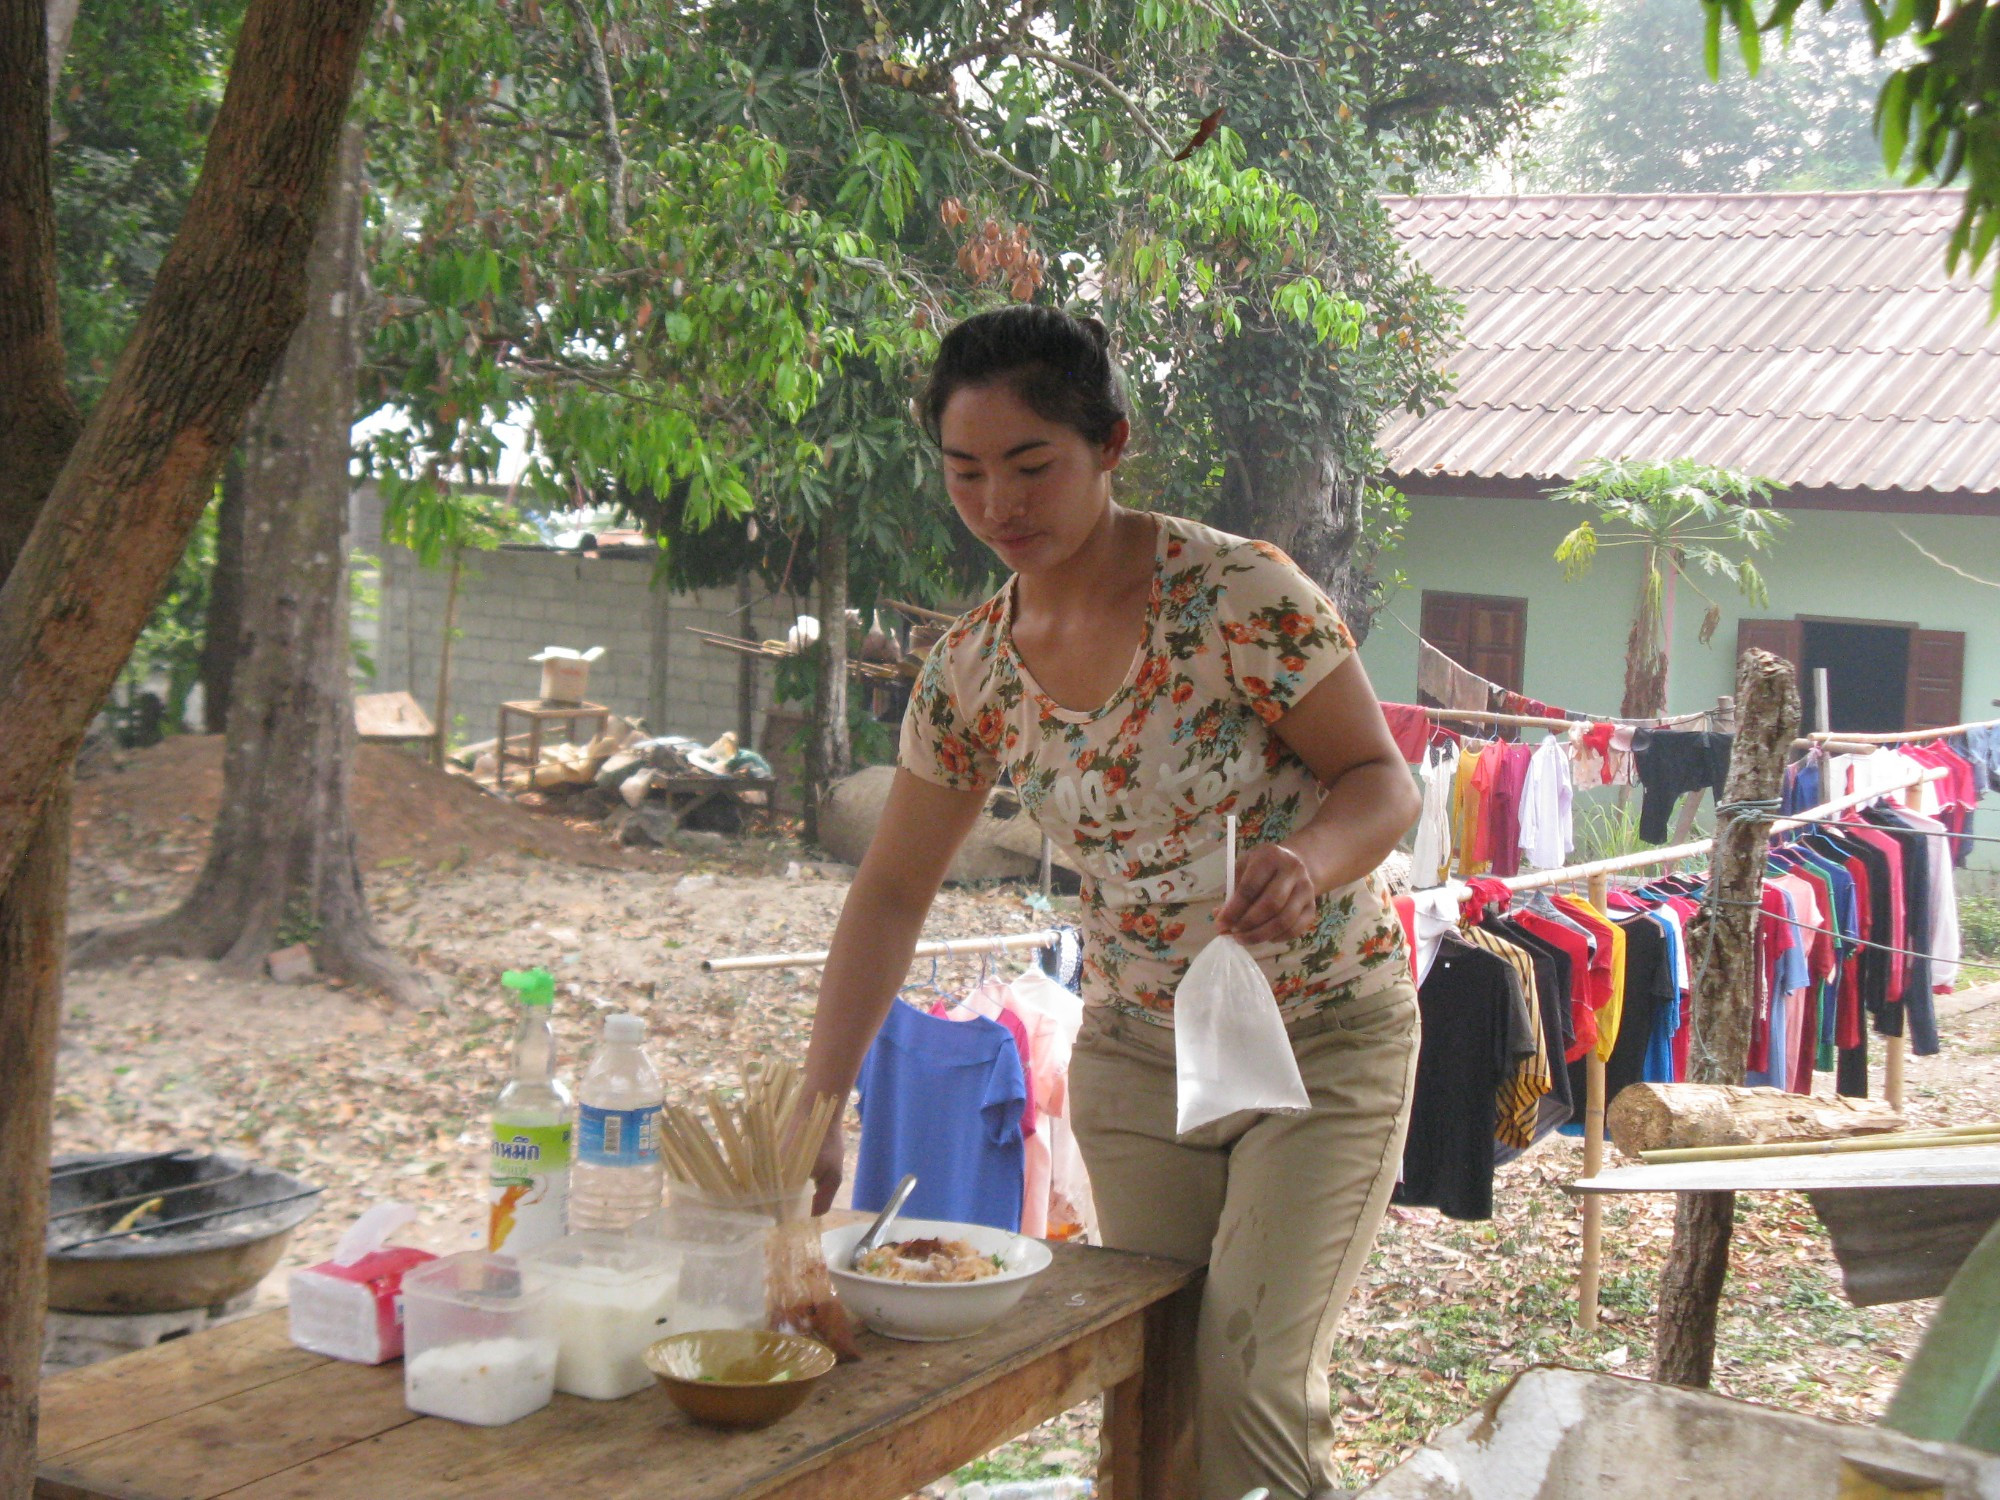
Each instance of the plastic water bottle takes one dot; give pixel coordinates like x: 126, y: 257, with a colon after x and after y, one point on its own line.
x: 528, y: 1178
x: 618, y: 1176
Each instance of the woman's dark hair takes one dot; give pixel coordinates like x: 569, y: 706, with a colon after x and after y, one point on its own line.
x: 1059, y: 365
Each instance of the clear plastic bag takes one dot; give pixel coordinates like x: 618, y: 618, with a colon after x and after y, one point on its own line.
x: 1230, y: 1048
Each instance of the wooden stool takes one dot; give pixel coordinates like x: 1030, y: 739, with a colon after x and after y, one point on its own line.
x: 540, y: 711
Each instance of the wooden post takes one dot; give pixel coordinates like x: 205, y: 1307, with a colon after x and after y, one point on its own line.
x: 1593, y: 1159
x: 1722, y: 937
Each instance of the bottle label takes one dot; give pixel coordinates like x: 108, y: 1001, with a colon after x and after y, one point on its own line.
x: 528, y: 1186
x: 618, y: 1137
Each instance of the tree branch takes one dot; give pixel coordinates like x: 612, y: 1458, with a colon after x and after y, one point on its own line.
x: 1132, y: 106
x: 607, y: 115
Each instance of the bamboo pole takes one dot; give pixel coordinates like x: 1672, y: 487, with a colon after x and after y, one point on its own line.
x: 1916, y: 1140
x: 1593, y: 1161
x: 942, y: 948
x: 1906, y: 736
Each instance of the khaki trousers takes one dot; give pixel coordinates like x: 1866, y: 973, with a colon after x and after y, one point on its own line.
x: 1282, y: 1207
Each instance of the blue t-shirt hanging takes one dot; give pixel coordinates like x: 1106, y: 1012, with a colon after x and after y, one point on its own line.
x: 943, y: 1099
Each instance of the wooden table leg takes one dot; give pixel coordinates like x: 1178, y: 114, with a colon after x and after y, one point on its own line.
x: 499, y: 753
x: 1146, y: 1449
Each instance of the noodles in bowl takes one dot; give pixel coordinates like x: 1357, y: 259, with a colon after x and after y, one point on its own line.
x: 940, y: 1280
x: 930, y: 1260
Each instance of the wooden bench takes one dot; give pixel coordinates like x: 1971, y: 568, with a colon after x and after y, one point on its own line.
x: 239, y: 1411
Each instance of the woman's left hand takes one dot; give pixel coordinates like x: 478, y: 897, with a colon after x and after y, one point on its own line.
x: 1276, y: 897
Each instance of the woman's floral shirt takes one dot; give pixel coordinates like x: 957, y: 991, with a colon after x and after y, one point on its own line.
x: 1138, y: 790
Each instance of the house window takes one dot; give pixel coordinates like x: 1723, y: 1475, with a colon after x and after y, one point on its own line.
x: 1484, y: 633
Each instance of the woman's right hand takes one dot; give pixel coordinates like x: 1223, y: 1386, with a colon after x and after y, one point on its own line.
x: 828, y: 1167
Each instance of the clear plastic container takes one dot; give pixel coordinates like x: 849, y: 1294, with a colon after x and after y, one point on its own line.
x: 722, y: 1263
x: 610, y: 1295
x: 479, y: 1345
x: 798, y: 1291
x: 618, y: 1176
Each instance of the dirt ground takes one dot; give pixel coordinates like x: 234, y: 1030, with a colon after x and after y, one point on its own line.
x: 375, y: 1103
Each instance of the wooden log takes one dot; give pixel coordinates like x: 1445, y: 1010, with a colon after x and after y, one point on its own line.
x: 1724, y: 999
x: 1660, y: 1116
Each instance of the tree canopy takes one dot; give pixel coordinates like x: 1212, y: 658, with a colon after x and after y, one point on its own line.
x: 1938, y: 115
x: 1643, y: 114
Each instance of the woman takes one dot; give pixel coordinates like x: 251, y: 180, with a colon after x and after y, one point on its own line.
x: 1141, y: 677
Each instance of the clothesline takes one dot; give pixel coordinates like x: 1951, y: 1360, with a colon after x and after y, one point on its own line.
x: 1595, y: 874
x: 1904, y: 736
x: 940, y: 948
x: 1831, y: 741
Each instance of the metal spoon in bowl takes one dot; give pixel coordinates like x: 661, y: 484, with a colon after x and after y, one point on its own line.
x: 879, y: 1230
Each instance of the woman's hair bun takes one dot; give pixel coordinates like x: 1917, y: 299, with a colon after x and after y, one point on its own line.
x: 1058, y: 364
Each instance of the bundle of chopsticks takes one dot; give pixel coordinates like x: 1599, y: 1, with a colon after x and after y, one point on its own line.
x: 751, y: 1147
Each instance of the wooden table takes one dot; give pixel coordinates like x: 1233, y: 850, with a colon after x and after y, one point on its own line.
x: 537, y: 712
x: 1902, y: 1222
x: 239, y: 1411
x: 754, y: 796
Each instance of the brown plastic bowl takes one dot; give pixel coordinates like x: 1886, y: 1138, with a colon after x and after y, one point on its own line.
x: 738, y: 1377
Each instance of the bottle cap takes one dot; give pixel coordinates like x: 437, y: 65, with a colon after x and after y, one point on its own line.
x: 534, y: 986
x: 623, y: 1027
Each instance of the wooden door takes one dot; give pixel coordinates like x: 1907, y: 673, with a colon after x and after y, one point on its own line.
x: 1782, y: 638
x: 1936, y: 682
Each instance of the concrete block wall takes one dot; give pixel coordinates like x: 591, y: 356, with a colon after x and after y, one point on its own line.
x: 514, y: 601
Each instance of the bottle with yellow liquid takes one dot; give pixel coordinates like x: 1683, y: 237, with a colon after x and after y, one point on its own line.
x: 528, y: 1182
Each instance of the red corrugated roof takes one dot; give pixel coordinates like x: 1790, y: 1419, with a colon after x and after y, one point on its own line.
x: 1812, y: 338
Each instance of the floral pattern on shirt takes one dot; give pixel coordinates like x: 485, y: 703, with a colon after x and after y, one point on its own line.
x: 1138, y: 789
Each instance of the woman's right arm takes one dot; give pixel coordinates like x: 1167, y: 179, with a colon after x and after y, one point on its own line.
x: 921, y: 829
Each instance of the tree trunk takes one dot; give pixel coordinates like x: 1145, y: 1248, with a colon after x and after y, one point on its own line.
x: 228, y: 294
x: 441, y: 717
x: 281, y: 864
x: 830, y: 752
x: 1301, y: 499
x: 1691, y: 1289
x: 1723, y: 937
x: 659, y: 656
x: 93, y: 521
x: 61, y: 24
x: 31, y: 957
x: 222, y: 639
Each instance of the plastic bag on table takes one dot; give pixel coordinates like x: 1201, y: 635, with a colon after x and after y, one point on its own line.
x: 1230, y: 1048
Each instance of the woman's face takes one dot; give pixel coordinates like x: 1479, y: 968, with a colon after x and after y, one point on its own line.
x: 1031, y: 489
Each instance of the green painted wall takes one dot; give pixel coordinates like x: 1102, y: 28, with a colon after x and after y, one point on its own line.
x: 1846, y: 564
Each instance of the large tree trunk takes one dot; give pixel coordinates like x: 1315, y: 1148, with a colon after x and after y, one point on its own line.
x: 222, y: 636
x: 92, y: 524
x: 281, y: 862
x: 1299, y: 497
x: 1723, y: 937
x: 830, y: 753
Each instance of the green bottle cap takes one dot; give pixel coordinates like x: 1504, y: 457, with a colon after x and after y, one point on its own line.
x: 535, y: 986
